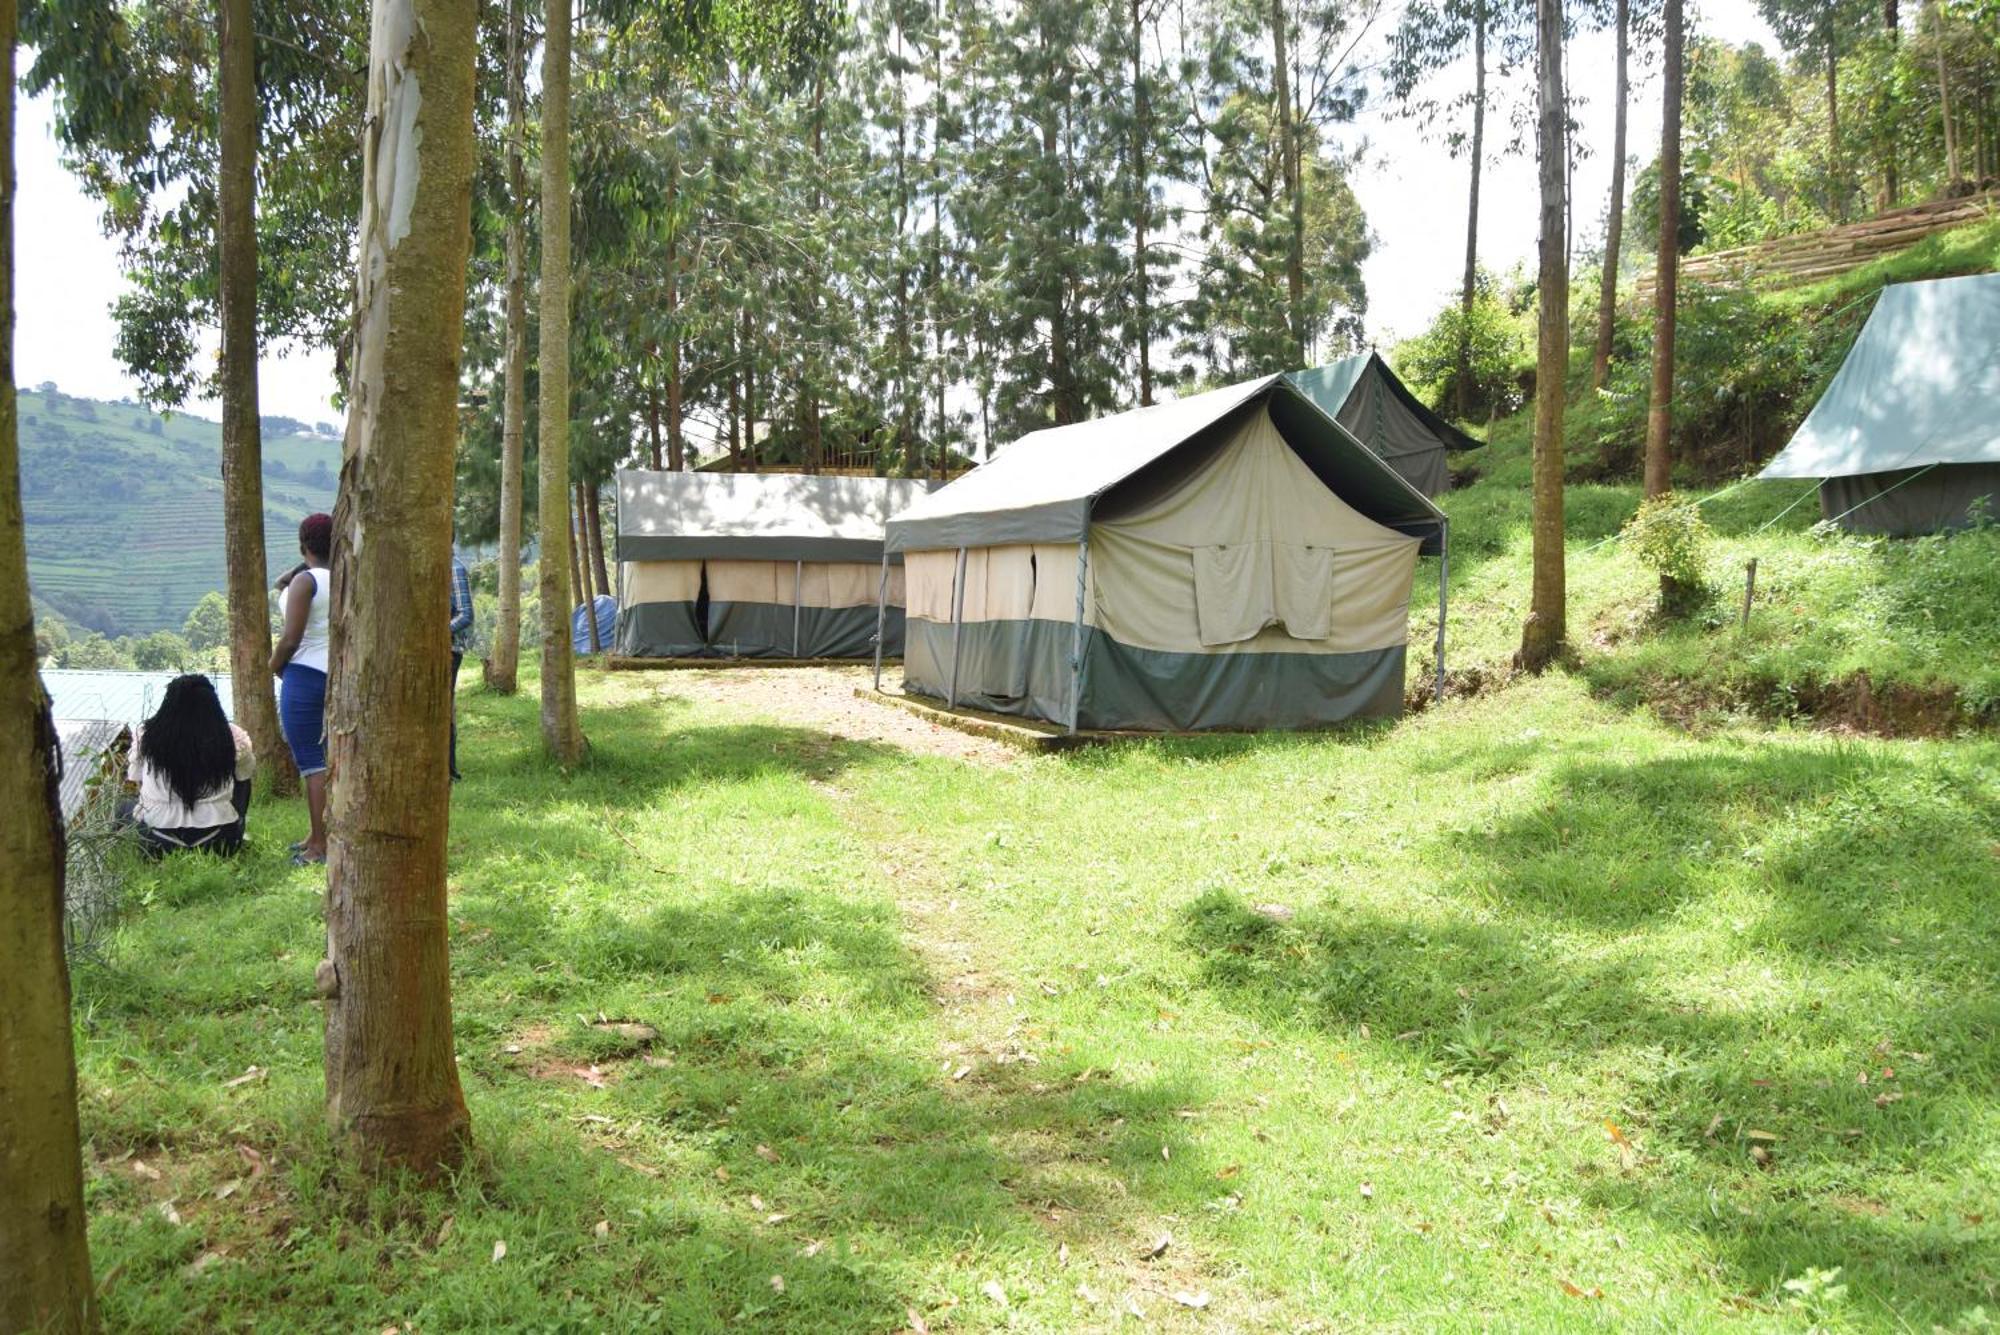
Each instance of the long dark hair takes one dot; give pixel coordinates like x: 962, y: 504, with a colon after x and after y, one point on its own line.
x: 187, y: 742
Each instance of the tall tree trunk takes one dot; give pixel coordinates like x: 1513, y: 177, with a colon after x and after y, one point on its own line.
x: 594, y: 513
x: 1666, y: 283
x: 1141, y: 200
x: 1288, y: 148
x: 503, y: 667
x: 591, y: 570
x: 1614, y: 226
x: 1951, y: 173
x: 1462, y: 382
x: 44, y: 1253
x: 749, y: 362
x: 562, y: 732
x: 392, y: 1088
x: 1892, y: 28
x: 1542, y: 637
x: 674, y: 447
x: 242, y: 444
x: 735, y: 411
x: 1835, y: 167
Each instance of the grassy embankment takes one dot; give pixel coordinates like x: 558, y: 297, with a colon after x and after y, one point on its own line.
x: 1528, y: 1010
x: 1920, y: 620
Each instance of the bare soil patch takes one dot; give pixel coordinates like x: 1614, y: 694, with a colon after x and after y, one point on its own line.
x: 824, y: 698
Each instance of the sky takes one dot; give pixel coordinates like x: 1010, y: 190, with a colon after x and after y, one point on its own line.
x: 1411, y: 188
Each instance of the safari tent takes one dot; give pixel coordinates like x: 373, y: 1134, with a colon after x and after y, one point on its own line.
x: 1906, y: 439
x: 1372, y: 402
x: 756, y: 565
x: 1233, y: 560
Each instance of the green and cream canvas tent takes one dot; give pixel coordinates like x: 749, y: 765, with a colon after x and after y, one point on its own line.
x: 1906, y: 439
x: 757, y: 565
x: 1233, y: 560
x: 1372, y: 402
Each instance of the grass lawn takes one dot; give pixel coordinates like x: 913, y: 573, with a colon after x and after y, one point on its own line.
x: 1527, y: 1012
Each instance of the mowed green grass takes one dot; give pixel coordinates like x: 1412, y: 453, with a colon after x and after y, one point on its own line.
x: 1525, y: 1013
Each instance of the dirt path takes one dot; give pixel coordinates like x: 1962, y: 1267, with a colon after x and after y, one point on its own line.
x: 823, y: 697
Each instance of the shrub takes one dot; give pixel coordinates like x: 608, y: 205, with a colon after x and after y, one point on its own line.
x: 1671, y: 539
x: 1501, y: 356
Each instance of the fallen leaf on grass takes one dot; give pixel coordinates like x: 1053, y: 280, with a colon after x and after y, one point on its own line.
x: 603, y: 1229
x: 1088, y: 1294
x: 767, y: 1154
x: 777, y: 1283
x: 249, y: 1074
x: 1760, y: 1155
x: 961, y: 1073
x: 444, y: 1231
x: 228, y: 1189
x: 200, y: 1263
x: 1166, y: 1154
x: 169, y: 1213
x: 721, y: 1174
x: 1754, y: 1134
x: 141, y: 1168
x: 1062, y: 1254
x: 1887, y: 1097
x: 1158, y: 1249
x: 1229, y: 1171
x: 254, y: 1159
x: 1367, y: 1191
x: 918, y: 1325
x: 637, y: 1167
x: 499, y: 1250
x: 773, y: 1220
x: 813, y: 1248
x: 629, y: 1030
x: 1714, y: 1125
x: 993, y: 1290
x: 1573, y: 1291
x: 1194, y: 1300
x: 719, y: 998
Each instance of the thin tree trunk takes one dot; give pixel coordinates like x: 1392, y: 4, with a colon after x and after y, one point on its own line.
x: 749, y: 359
x: 562, y: 732
x: 242, y: 445
x: 1834, y: 165
x: 591, y: 570
x: 392, y: 1090
x: 503, y: 667
x: 674, y: 448
x: 1141, y: 199
x: 1288, y: 148
x: 657, y: 458
x: 1462, y: 382
x: 1542, y: 637
x: 1892, y: 28
x: 44, y: 1253
x: 1614, y: 226
x: 1944, y: 99
x: 1666, y: 283
x: 735, y: 413
x: 579, y: 574
x: 594, y: 512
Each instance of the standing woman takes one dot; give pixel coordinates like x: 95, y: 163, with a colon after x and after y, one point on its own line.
x: 299, y: 663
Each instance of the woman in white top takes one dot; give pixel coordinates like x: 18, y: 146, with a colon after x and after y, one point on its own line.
x: 299, y: 662
x: 193, y: 769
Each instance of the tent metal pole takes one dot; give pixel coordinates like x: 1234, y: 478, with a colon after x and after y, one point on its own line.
x: 881, y: 617
x: 957, y: 625
x: 1444, y: 575
x: 1076, y: 640
x: 798, y: 585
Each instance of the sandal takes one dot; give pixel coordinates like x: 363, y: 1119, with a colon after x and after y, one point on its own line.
x: 303, y: 859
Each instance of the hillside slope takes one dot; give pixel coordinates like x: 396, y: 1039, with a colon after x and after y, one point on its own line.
x: 124, y: 506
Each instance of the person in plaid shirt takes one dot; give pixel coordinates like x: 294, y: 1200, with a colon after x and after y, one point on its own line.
x: 461, y: 640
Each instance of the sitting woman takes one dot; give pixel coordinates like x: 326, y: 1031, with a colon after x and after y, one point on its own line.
x: 193, y: 769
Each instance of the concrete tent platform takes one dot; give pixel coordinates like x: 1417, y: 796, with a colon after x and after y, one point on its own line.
x: 1023, y: 734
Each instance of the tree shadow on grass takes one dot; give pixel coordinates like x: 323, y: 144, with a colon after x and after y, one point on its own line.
x: 1870, y: 877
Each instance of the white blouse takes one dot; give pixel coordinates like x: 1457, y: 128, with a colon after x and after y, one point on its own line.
x: 159, y: 808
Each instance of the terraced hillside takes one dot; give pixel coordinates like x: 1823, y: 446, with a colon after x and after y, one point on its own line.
x: 124, y: 507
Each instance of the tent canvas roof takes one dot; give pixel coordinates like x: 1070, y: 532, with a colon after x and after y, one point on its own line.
x: 1330, y: 386
x: 1920, y: 386
x: 1041, y: 488
x: 756, y: 516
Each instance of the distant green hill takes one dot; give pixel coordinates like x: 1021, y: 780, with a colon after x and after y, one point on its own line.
x: 124, y: 506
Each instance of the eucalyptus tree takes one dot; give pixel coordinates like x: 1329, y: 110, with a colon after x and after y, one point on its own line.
x: 1432, y: 35
x: 1666, y: 285
x: 392, y: 1091
x: 1823, y: 30
x: 44, y: 1248
x: 1543, y: 636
